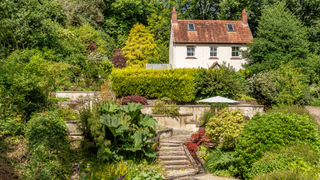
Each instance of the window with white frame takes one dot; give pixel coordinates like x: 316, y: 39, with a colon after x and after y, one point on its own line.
x: 213, y: 51
x: 191, y: 51
x: 235, y: 51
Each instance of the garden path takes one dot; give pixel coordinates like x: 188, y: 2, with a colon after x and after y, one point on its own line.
x: 178, y: 137
x: 315, y: 112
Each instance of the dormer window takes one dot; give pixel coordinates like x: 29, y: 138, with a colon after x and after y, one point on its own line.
x: 230, y: 28
x: 191, y: 27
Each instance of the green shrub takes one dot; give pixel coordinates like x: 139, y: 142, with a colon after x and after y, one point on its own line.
x: 134, y: 170
x: 298, y: 157
x: 206, y: 116
x: 296, y: 109
x: 177, y: 84
x: 285, y: 86
x: 272, y: 131
x: 117, y: 133
x: 316, y: 102
x: 12, y: 127
x: 226, y: 125
x: 221, y: 163
x: 285, y: 175
x: 48, y: 129
x: 49, y: 147
x: 45, y: 163
x: 218, y: 82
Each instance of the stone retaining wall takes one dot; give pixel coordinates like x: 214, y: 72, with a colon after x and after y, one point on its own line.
x: 247, y: 110
x: 75, y: 95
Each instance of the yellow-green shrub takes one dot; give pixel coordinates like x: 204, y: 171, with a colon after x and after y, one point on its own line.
x: 227, y: 125
x: 177, y: 84
x: 133, y: 171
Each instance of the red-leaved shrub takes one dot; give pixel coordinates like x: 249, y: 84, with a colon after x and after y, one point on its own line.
x: 118, y: 59
x: 196, y: 140
x: 134, y: 98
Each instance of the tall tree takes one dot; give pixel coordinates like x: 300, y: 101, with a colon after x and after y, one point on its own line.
x: 159, y: 25
x: 121, y: 15
x: 281, y: 38
x: 82, y: 11
x: 197, y: 9
x: 140, y: 47
x: 21, y: 20
x: 308, y: 11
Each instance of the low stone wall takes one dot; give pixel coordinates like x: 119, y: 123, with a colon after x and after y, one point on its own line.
x: 196, y: 110
x: 172, y: 121
x: 75, y: 95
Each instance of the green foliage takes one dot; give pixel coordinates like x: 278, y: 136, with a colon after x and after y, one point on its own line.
x: 285, y: 175
x: 206, y: 116
x: 49, y: 146
x: 104, y: 44
x: 226, y: 125
x: 12, y: 127
x: 221, y: 163
x: 299, y: 158
x: 139, y: 47
x: 316, y: 102
x: 118, y: 24
x: 22, y: 22
x: 177, y: 84
x: 116, y: 133
x: 164, y: 106
x: 217, y: 82
x: 289, y: 109
x: 307, y: 11
x: 66, y: 113
x: 85, y: 11
x: 159, y: 25
x: 281, y: 38
x: 45, y: 163
x: 272, y: 131
x: 27, y: 79
x: 47, y: 129
x: 133, y: 170
x: 193, y: 9
x: 285, y: 86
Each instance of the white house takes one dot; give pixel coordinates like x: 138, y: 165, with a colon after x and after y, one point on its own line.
x: 206, y: 43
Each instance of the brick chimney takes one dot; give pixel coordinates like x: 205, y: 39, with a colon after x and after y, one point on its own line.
x: 174, y: 15
x: 244, y: 17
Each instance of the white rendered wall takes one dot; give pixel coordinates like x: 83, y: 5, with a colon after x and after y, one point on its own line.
x: 203, y: 56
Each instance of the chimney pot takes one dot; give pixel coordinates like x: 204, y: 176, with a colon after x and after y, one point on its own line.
x: 244, y: 17
x: 174, y: 15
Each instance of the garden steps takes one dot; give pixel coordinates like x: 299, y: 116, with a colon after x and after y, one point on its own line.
x: 172, y: 157
x: 169, y: 145
x: 171, y: 148
x: 176, y: 159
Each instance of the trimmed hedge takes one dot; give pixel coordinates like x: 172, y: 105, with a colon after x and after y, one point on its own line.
x: 177, y: 84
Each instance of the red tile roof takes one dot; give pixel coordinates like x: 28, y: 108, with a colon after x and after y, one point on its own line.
x: 211, y: 31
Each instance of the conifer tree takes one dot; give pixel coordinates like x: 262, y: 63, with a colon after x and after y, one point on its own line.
x: 281, y: 39
x: 140, y: 47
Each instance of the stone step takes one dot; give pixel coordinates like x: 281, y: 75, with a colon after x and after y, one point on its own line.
x: 178, y: 167
x: 170, y: 145
x: 171, y: 141
x: 75, y: 134
x: 172, y: 157
x: 175, y: 162
x: 171, y: 148
x: 173, y: 153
